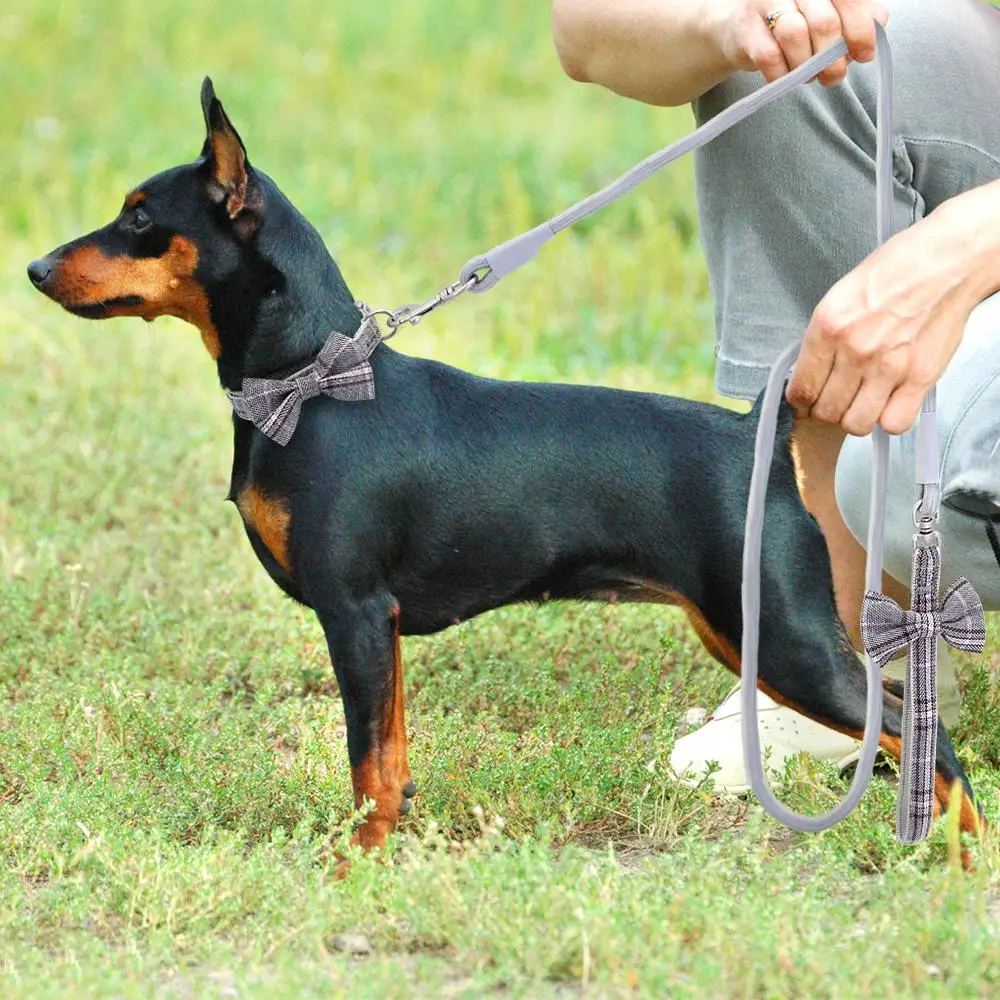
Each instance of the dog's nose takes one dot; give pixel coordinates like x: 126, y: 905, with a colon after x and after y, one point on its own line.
x: 39, y: 270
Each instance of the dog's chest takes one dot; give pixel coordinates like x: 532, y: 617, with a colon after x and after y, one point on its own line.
x: 266, y: 517
x: 267, y: 523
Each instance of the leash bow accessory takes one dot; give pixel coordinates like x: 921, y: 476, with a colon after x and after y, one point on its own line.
x: 886, y: 628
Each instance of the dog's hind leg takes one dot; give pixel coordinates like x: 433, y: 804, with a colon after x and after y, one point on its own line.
x: 805, y: 657
x: 363, y: 637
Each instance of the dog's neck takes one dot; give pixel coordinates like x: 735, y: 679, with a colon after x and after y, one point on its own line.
x: 282, y: 301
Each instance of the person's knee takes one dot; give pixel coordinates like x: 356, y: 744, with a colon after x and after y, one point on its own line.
x: 925, y: 32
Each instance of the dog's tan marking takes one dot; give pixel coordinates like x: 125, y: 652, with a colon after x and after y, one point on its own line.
x: 717, y: 644
x: 800, y: 473
x: 133, y: 198
x: 166, y: 285
x: 385, y: 771
x: 269, y: 517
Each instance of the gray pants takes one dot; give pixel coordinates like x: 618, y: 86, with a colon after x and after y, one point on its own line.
x: 787, y: 207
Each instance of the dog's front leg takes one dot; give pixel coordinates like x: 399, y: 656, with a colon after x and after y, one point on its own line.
x: 363, y: 637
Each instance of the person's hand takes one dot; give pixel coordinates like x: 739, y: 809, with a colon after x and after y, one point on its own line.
x: 804, y: 28
x: 882, y: 336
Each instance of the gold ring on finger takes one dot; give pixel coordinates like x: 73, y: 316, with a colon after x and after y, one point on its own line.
x: 771, y: 20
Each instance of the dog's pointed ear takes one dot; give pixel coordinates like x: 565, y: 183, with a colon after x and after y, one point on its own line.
x: 231, y: 178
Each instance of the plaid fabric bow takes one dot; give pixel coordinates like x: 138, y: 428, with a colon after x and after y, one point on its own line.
x: 341, y: 370
x: 886, y: 628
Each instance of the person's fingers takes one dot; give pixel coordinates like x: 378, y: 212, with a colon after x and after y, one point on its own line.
x: 792, y: 32
x: 900, y: 413
x: 763, y: 50
x: 870, y: 401
x: 838, y: 392
x: 857, y: 18
x: 922, y: 371
x: 807, y: 381
x: 815, y: 362
x: 824, y: 29
x: 804, y: 28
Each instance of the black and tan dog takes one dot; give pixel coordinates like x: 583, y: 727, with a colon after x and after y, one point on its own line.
x: 449, y: 495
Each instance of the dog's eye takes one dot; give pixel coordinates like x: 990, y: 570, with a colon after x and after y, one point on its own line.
x: 140, y: 221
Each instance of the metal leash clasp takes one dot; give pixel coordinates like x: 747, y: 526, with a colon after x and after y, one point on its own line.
x: 416, y: 311
x: 926, y: 525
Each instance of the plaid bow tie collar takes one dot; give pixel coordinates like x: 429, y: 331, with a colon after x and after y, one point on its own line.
x: 341, y: 370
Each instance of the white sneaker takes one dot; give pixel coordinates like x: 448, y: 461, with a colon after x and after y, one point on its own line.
x: 785, y: 732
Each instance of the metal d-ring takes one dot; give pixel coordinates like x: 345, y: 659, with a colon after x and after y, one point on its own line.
x: 389, y: 316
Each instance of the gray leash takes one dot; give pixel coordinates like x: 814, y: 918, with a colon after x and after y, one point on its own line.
x: 506, y: 257
x: 876, y: 518
x: 884, y: 625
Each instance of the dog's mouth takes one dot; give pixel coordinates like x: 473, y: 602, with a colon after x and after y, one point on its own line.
x: 104, y: 308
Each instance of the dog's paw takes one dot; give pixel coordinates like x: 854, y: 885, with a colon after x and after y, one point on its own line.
x: 409, y: 790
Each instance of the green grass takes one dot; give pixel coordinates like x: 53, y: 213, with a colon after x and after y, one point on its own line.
x: 172, y: 767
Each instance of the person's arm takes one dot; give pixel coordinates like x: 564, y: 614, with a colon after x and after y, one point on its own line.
x: 657, y: 51
x: 882, y: 336
x: 668, y: 52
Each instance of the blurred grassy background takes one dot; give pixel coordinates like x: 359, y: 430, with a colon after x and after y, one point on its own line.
x: 171, y: 743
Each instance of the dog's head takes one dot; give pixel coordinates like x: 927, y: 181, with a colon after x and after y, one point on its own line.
x: 177, y: 236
